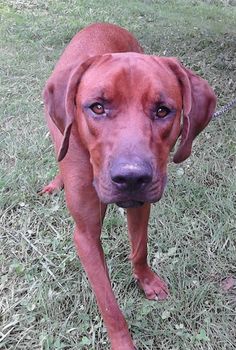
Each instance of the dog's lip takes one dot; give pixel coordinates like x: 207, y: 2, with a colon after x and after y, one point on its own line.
x: 124, y: 202
x: 108, y: 195
x: 129, y: 204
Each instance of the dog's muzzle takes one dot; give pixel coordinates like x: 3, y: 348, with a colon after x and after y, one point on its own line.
x: 131, y: 178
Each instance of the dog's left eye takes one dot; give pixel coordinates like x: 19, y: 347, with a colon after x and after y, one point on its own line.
x: 162, y: 111
x: 97, y: 108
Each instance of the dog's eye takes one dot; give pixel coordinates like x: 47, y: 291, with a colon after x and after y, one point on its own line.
x: 97, y: 108
x: 162, y: 111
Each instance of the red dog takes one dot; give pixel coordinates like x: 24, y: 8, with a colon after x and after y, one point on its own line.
x: 114, y: 115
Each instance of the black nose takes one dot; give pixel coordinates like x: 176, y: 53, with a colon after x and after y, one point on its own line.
x: 131, y: 176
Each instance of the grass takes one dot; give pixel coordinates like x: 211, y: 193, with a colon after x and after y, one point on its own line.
x: 46, y: 301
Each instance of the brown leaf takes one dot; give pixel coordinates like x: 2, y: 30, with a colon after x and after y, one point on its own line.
x: 228, y: 283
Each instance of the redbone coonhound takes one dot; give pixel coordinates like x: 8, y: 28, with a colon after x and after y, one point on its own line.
x: 114, y: 115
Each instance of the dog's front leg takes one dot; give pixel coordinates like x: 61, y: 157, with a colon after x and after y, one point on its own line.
x: 89, y: 249
x: 152, y: 284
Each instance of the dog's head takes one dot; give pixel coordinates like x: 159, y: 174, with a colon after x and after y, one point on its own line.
x: 128, y: 109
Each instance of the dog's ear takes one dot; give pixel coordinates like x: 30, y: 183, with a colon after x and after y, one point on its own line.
x: 199, y: 102
x: 59, y: 99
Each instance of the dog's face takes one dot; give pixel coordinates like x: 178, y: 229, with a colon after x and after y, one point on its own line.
x: 128, y: 117
x: 127, y: 108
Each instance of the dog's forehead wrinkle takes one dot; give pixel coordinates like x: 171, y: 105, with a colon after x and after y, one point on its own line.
x: 121, y: 88
x: 117, y: 77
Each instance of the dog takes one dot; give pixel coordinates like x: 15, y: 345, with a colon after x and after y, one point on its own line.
x: 114, y: 115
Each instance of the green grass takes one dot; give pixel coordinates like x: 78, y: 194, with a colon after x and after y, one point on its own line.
x: 46, y: 301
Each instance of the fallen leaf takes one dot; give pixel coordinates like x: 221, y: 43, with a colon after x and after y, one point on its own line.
x: 228, y: 283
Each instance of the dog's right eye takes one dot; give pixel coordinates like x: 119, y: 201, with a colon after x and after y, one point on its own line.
x: 162, y: 112
x: 97, y: 108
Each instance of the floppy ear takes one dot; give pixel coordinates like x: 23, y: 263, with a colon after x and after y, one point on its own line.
x: 59, y: 98
x: 199, y: 102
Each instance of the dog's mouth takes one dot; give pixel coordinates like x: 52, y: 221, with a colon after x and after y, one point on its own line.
x: 108, y: 195
x: 129, y: 204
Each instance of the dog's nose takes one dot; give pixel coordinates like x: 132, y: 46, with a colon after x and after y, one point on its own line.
x: 130, y: 177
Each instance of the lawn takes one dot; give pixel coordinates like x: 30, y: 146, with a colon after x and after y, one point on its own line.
x: 46, y: 301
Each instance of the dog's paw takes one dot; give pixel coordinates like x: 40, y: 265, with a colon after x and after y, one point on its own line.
x: 54, y: 186
x: 153, y: 286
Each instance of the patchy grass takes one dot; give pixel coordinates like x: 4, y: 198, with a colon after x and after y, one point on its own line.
x: 46, y: 300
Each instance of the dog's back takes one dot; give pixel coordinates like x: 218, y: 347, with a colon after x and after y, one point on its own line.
x: 97, y: 39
